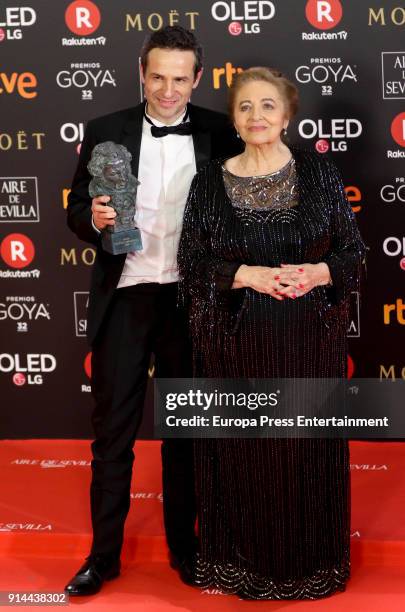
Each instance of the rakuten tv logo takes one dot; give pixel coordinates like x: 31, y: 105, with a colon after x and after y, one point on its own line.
x: 398, y: 134
x: 398, y: 129
x: 324, y: 14
x: 82, y: 17
x: 87, y: 369
x: 17, y: 250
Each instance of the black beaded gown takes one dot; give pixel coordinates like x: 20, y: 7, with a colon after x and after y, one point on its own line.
x: 273, y: 514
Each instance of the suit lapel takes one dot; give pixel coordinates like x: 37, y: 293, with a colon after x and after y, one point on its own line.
x: 201, y: 139
x: 132, y: 136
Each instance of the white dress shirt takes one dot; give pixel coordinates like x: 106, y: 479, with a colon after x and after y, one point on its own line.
x: 166, y: 169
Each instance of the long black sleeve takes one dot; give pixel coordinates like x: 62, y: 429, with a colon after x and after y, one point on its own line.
x: 347, y: 253
x: 202, y: 275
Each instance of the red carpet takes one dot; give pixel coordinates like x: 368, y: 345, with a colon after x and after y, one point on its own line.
x: 45, y: 531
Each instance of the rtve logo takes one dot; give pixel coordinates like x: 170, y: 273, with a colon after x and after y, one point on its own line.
x: 353, y: 194
x: 227, y: 72
x: 323, y: 14
x: 82, y: 17
x: 23, y: 83
x: 398, y: 308
x: 17, y: 250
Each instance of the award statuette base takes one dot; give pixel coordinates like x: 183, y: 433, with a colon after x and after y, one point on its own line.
x: 122, y: 241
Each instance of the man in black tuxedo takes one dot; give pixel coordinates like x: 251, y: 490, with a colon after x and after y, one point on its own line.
x: 132, y: 309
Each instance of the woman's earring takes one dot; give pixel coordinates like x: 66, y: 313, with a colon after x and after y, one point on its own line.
x: 284, y: 132
x: 237, y: 134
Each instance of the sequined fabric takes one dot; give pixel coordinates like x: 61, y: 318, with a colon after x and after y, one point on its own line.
x: 275, y: 190
x: 273, y: 514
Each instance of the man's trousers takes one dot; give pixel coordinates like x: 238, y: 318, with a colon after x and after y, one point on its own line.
x: 141, y: 320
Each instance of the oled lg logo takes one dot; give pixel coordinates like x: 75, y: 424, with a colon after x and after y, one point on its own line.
x: 326, y: 72
x: 324, y: 15
x: 398, y: 134
x: 14, y: 19
x: 73, y: 133
x: 395, y: 247
x: 85, y: 76
x: 28, y: 368
x: 18, y: 251
x: 331, y: 134
x: 244, y: 17
x: 83, y: 17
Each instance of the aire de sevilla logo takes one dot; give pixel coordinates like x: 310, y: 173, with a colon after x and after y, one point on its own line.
x: 82, y: 17
x: 324, y: 14
x: 17, y: 250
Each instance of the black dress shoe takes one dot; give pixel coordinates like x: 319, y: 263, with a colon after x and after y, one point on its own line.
x: 185, y: 565
x: 90, y: 577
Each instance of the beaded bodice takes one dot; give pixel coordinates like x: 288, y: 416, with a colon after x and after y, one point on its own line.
x: 277, y: 190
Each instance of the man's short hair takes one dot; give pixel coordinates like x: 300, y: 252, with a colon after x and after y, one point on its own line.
x: 173, y: 37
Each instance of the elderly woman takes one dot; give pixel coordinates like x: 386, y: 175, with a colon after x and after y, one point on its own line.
x: 268, y: 257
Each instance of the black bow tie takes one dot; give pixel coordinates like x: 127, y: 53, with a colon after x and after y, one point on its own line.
x: 183, y: 129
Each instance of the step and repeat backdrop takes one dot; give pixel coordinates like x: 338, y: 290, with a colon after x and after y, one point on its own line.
x: 63, y: 63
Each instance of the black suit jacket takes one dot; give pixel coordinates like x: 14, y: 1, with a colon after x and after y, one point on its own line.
x: 213, y: 137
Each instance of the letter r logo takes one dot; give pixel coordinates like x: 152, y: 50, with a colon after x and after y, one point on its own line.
x: 82, y: 17
x: 323, y: 14
x: 17, y: 250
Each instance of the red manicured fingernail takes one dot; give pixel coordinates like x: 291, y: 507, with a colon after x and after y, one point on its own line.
x: 276, y: 277
x: 300, y: 269
x: 293, y: 296
x: 301, y: 286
